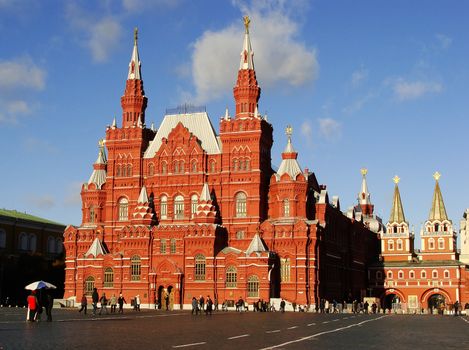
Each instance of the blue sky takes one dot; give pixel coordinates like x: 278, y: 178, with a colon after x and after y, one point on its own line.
x: 376, y: 84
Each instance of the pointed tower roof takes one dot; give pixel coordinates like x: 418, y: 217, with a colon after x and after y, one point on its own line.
x: 98, y: 176
x: 289, y: 163
x: 256, y: 245
x: 135, y: 64
x: 364, y: 195
x: 96, y: 248
x: 143, y: 197
x: 205, y: 196
x: 247, y: 54
x: 438, y: 211
x: 397, y: 211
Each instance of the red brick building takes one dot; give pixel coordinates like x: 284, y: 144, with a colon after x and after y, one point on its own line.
x: 430, y: 279
x: 186, y: 211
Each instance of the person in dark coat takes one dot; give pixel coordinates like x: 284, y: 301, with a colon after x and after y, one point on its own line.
x: 48, y: 304
x: 84, y: 303
x: 95, y: 299
x: 121, y: 301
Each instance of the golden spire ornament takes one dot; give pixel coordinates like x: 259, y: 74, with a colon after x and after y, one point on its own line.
x: 246, y: 23
x: 135, y: 35
x: 396, y: 179
x: 364, y: 171
x: 436, y: 176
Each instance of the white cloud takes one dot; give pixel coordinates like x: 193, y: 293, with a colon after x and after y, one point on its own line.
x: 358, y: 77
x: 411, y: 90
x: 444, y: 41
x: 21, y: 73
x: 330, y: 128
x: 279, y: 57
x: 43, y: 202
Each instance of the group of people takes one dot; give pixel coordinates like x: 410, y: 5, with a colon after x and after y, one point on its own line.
x: 199, y: 305
x: 37, y: 302
x: 112, y: 302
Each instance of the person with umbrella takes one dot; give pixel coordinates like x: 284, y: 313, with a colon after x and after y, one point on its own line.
x: 35, y: 302
x: 32, y: 306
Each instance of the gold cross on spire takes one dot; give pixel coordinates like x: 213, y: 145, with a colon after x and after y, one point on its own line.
x: 288, y: 130
x: 101, y: 143
x: 246, y: 23
x: 396, y: 179
x: 135, y: 34
x: 436, y: 176
x: 364, y: 171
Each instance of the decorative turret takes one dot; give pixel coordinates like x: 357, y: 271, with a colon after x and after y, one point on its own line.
x: 289, y: 163
x: 438, y: 237
x: 206, y: 212
x: 134, y: 101
x: 397, y: 244
x: 246, y: 91
x: 364, y: 196
x: 98, y: 176
x: 143, y: 213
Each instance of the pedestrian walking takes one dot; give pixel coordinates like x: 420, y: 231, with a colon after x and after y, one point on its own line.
x: 282, y: 306
x: 95, y: 300
x: 32, y: 306
x: 137, y: 302
x: 113, y: 303
x: 121, y: 301
x: 84, y: 304
x: 195, y: 306
x: 103, y: 301
x: 48, y: 304
x: 208, y: 310
x: 201, y: 303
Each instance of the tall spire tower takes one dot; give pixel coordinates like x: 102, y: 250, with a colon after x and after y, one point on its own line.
x: 364, y: 196
x: 246, y: 91
x: 134, y: 101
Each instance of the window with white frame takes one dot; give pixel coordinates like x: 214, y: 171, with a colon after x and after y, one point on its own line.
x: 441, y: 243
x: 431, y: 243
x: 179, y: 207
x: 108, y: 277
x: 286, y: 207
x: 423, y: 274
x: 253, y: 286
x: 285, y: 269
x: 434, y: 274
x: 411, y: 274
x: 390, y: 244
x: 194, y: 204
x: 23, y: 241
x: 135, y: 268
x: 164, y: 207
x: 89, y: 285
x: 231, y: 277
x: 172, y: 246
x: 123, y: 209
x: 446, y: 274
x: 241, y: 205
x: 400, y: 275
x: 389, y: 274
x: 199, y: 267
x: 163, y: 246
x: 239, y: 234
x: 399, y: 244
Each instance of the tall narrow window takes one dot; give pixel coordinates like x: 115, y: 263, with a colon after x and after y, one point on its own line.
x: 118, y: 171
x: 59, y: 247
x: 89, y: 285
x: 123, y: 209
x: 51, y: 245
x: 212, y: 166
x: 235, y: 165
x: 3, y: 239
x: 163, y: 246
x: 194, y: 204
x: 194, y: 166
x: 151, y: 169
x: 181, y: 167
x: 434, y: 274
x: 164, y: 168
x: 135, y: 268
x: 199, y: 267
x: 179, y: 207
x: 129, y: 170
x: 286, y: 207
x: 391, y: 245
x: 390, y: 275
x: 32, y: 242
x: 172, y: 246
x: 399, y: 244
x: 285, y: 269
x: 411, y: 274
x: 253, y: 287
x: 176, y: 167
x: 441, y: 243
x: 423, y: 274
x: 92, y: 214
x: 431, y: 243
x: 231, y: 277
x: 108, y: 277
x: 164, y: 207
x: 241, y: 210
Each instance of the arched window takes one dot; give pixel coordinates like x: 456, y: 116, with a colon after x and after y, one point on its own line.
x: 253, y: 287
x: 390, y: 275
x: 179, y: 207
x: 212, y: 166
x: 434, y: 274
x: 163, y: 246
x: 446, y: 274
x: 118, y: 171
x: 151, y: 169
x: 437, y: 227
x: 400, y: 275
x: 129, y: 170
x: 92, y: 215
x: 391, y: 245
x: 108, y: 277
x: 123, y: 209
x: 59, y: 245
x: 181, y: 167
x: 89, y: 285
x: 379, y: 275
x: 399, y: 244
x: 248, y: 164
x: 235, y: 165
x: 199, y: 267
x: 194, y: 166
x: 172, y: 246
x: 164, y: 168
x: 3, y: 239
x: 423, y: 274
x: 286, y: 207
x: 231, y: 277
x: 194, y: 204
x: 32, y: 242
x: 23, y: 241
x: 431, y: 243
x: 51, y: 245
x: 176, y: 167
x: 135, y: 268
x: 241, y: 207
x: 285, y: 269
x: 441, y: 243
x: 164, y: 207
x: 395, y: 229
x: 411, y: 274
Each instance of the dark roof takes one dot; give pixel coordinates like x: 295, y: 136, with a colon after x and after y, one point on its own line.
x: 27, y: 217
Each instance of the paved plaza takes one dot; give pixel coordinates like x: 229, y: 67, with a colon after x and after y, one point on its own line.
x: 151, y: 329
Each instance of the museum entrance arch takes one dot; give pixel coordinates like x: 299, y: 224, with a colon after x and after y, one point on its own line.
x: 436, y: 302
x: 160, y: 295
x: 391, y: 301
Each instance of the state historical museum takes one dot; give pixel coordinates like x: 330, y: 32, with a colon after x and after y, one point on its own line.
x: 185, y: 211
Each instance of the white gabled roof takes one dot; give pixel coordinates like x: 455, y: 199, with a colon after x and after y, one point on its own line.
x: 290, y: 167
x: 197, y: 123
x: 256, y: 245
x: 143, y: 197
x: 96, y: 248
x: 98, y: 176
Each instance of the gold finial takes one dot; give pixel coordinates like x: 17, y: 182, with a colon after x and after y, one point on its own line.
x: 135, y: 34
x: 101, y: 143
x: 364, y: 171
x: 289, y: 130
x: 436, y: 176
x: 396, y: 179
x: 246, y: 23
